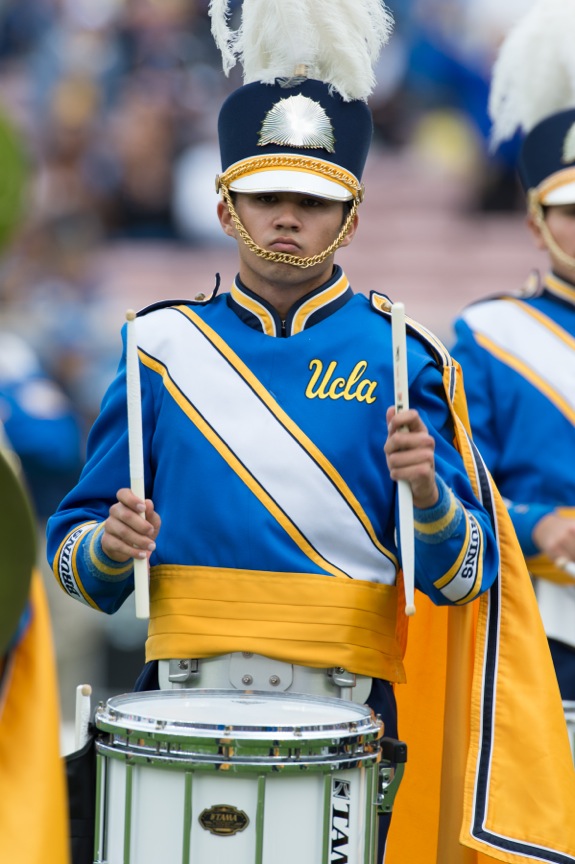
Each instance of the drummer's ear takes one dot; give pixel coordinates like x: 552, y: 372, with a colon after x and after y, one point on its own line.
x: 225, y: 218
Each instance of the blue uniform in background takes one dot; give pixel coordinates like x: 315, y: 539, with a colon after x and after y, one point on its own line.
x: 40, y: 422
x: 518, y: 358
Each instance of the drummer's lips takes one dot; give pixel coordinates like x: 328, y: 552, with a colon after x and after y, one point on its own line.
x: 285, y: 244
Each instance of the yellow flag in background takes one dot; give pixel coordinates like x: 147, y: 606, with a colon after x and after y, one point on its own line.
x: 490, y: 773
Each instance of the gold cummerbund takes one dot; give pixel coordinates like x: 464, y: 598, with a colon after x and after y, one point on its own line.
x: 310, y: 620
x: 544, y: 568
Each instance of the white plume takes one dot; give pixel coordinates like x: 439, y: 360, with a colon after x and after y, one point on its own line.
x: 534, y: 74
x: 337, y: 40
x: 224, y: 37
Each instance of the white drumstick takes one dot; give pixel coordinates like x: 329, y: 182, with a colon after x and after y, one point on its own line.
x: 566, y: 565
x: 83, y: 710
x: 403, y: 488
x: 136, y: 450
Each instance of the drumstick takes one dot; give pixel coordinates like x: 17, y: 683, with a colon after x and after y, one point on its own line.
x: 403, y: 488
x: 566, y: 565
x: 136, y: 450
x: 83, y: 710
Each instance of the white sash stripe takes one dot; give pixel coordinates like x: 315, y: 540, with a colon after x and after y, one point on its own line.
x: 520, y: 334
x: 263, y: 445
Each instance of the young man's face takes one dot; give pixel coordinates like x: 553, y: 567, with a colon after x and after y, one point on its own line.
x: 560, y: 220
x: 288, y: 222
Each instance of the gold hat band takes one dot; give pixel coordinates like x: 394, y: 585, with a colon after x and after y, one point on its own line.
x: 274, y: 162
x: 555, y: 181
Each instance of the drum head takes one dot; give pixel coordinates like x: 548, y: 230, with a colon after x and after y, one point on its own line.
x: 216, y: 711
x: 235, y: 729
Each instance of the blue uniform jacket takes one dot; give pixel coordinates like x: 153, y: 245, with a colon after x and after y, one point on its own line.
x: 325, y: 387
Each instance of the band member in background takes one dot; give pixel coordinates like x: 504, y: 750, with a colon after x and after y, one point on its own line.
x: 271, y: 455
x: 518, y: 350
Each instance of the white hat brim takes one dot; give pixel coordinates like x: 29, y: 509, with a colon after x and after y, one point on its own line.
x: 303, y: 182
x: 561, y: 195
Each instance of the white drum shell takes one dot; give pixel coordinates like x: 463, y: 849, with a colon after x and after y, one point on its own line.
x: 303, y: 770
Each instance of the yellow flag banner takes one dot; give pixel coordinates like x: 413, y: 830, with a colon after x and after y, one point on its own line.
x: 490, y: 773
x: 34, y: 811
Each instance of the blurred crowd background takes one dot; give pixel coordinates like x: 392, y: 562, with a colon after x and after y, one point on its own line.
x: 108, y: 155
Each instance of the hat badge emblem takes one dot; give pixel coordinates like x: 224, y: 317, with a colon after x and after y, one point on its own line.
x: 298, y: 122
x: 569, y: 146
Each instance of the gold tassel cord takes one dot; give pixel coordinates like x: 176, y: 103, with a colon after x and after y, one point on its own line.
x: 536, y: 211
x: 285, y: 257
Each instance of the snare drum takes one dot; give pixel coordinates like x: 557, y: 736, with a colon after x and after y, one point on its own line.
x: 186, y: 776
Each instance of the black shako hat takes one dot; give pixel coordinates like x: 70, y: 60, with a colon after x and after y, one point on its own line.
x: 300, y: 122
x: 547, y: 159
x: 298, y: 136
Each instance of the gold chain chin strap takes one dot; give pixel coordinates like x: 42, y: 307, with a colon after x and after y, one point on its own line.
x: 553, y: 246
x: 285, y: 257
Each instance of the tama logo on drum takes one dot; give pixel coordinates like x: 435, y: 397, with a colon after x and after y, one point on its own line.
x: 223, y: 820
x: 340, y: 821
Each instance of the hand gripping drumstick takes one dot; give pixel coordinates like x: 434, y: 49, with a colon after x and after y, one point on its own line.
x: 136, y: 449
x: 403, y: 488
x: 566, y: 565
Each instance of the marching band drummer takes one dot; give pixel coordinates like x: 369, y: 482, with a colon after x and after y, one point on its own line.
x: 518, y: 350
x: 271, y: 451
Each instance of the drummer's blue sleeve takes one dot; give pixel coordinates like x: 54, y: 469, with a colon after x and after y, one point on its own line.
x: 456, y: 550
x: 74, y: 532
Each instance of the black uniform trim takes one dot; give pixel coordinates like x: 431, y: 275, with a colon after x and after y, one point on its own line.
x: 199, y: 300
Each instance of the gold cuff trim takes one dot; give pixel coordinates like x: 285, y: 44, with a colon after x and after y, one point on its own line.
x: 99, y: 564
x: 429, y: 528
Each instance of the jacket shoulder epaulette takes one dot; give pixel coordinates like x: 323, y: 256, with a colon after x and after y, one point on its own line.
x: 532, y: 287
x: 200, y: 299
x: 434, y: 346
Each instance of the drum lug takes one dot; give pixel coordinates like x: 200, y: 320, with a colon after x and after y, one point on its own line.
x: 341, y: 677
x: 181, y: 671
x: 391, y: 768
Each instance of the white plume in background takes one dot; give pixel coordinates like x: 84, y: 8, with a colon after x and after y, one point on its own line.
x: 534, y: 74
x: 338, y: 41
x: 224, y: 37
